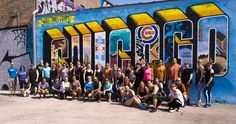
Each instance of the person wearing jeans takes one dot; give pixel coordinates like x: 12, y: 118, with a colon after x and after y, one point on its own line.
x: 199, y: 81
x: 209, y: 75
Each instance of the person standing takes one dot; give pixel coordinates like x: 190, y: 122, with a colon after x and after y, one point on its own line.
x: 78, y: 71
x: 40, y: 67
x: 46, y: 74
x: 12, y: 71
x: 186, y: 78
x: 199, y: 81
x: 53, y: 73
x: 107, y: 72
x: 173, y: 72
x: 139, y: 76
x: 21, y: 77
x: 33, y: 78
x: 88, y: 72
x: 64, y: 72
x: 161, y: 73
x: 209, y: 83
x: 71, y: 72
x: 98, y: 73
x: 148, y: 73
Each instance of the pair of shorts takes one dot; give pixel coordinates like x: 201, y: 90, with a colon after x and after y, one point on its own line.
x: 12, y: 83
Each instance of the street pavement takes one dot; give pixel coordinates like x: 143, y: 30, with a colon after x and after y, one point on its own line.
x: 32, y: 110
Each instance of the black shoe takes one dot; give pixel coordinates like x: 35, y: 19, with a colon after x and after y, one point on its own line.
x: 153, y: 110
x: 206, y: 106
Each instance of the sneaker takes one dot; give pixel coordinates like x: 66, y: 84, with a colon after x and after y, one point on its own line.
x: 153, y: 110
x: 178, y: 110
x: 206, y: 106
x: 172, y: 111
x: 209, y: 105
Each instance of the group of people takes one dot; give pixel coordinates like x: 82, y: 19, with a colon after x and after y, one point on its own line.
x: 141, y: 86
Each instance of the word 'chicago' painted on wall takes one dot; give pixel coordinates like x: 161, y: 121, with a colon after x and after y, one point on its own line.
x: 200, y: 33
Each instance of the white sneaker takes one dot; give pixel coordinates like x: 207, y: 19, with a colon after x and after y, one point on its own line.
x: 173, y: 110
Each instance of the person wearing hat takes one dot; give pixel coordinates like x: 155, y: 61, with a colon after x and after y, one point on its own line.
x: 209, y: 83
x: 12, y: 71
x: 199, y: 81
x: 33, y: 78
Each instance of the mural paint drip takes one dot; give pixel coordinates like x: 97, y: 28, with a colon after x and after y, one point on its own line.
x: 13, y: 49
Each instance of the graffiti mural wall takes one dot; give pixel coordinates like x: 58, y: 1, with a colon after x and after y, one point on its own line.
x: 56, y: 6
x: 13, y: 45
x: 186, y: 30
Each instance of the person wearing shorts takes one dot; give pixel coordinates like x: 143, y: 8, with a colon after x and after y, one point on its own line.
x: 12, y: 71
x: 75, y: 88
x: 88, y: 88
x: 43, y: 88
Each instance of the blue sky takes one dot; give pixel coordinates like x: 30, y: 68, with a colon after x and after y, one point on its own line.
x: 120, y: 2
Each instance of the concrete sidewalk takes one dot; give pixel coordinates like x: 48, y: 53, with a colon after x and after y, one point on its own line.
x: 31, y: 110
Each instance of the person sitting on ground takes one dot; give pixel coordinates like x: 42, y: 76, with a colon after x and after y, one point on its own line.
x: 119, y: 83
x: 56, y: 87
x: 129, y: 98
x: 88, y: 88
x: 96, y: 92
x: 177, y: 99
x: 75, y: 88
x: 142, y: 91
x: 43, y: 88
x: 153, y: 96
x: 27, y: 87
x: 107, y: 89
x: 160, y: 86
x: 65, y: 85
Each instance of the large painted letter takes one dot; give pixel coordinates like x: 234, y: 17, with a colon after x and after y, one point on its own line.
x: 99, y: 43
x: 56, y: 47
x: 119, y: 41
x: 145, y: 36
x: 73, y: 38
x: 212, y: 35
x: 85, y: 43
x: 175, y: 23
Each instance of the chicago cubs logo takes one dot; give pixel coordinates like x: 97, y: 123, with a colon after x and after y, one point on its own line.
x: 148, y: 34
